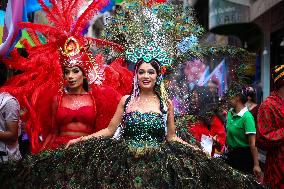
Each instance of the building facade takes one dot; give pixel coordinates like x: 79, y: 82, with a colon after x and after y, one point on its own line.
x: 258, y: 25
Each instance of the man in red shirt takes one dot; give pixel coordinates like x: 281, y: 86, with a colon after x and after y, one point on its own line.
x: 270, y: 131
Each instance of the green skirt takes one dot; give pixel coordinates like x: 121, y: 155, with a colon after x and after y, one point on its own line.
x: 108, y: 163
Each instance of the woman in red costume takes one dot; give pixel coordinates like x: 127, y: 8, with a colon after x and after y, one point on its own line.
x: 60, y: 105
x: 74, y: 110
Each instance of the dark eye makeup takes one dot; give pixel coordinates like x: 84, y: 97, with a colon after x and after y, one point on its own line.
x: 74, y: 70
x: 150, y: 71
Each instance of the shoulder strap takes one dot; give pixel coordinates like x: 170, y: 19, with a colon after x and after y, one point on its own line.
x: 164, y: 110
x: 165, y: 117
x: 126, y: 103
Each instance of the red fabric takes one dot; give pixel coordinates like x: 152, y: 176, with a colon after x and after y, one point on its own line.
x: 60, y: 141
x: 84, y: 115
x: 76, y: 108
x: 118, y: 76
x: 107, y: 100
x: 217, y: 128
x: 95, y: 118
x: 270, y: 137
x: 154, y: 2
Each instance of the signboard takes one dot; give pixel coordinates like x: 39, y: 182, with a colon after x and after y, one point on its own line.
x: 222, y: 12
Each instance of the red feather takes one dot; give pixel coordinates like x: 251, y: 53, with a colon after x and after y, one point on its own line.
x: 101, y: 43
x: 84, y: 19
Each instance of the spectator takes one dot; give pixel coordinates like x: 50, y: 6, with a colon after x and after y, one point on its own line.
x: 270, y: 131
x: 242, y: 152
x: 9, y: 116
x: 251, y: 102
x: 213, y: 87
x: 253, y: 107
x: 208, y: 121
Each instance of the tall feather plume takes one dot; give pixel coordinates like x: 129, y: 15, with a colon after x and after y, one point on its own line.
x: 73, y: 8
x: 51, y: 15
x: 102, y: 43
x: 83, y: 20
x: 44, y: 29
x: 54, y: 15
x: 60, y: 13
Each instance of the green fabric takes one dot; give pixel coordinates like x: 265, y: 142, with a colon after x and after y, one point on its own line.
x: 142, y: 159
x: 118, y: 1
x: 237, y: 129
x: 108, y: 164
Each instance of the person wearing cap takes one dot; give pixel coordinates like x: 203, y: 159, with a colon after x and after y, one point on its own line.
x: 241, y: 131
x: 270, y: 131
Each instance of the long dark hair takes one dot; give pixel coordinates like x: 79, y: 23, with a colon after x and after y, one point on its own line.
x: 250, y: 92
x: 86, y: 84
x: 237, y: 90
x: 156, y: 65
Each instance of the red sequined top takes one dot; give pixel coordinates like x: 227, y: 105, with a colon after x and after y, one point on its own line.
x: 74, y: 109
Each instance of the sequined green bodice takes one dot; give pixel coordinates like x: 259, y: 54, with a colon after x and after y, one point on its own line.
x: 144, y: 127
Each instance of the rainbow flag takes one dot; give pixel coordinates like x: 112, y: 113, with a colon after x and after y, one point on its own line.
x: 16, y: 12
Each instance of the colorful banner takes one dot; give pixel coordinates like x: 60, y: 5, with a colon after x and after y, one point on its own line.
x: 219, y: 74
x: 2, y: 17
x: 33, y: 5
x: 11, y: 34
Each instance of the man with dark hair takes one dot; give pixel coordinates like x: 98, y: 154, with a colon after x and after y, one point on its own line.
x: 270, y: 131
x: 9, y: 128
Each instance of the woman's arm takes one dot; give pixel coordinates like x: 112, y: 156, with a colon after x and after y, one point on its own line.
x: 171, y: 133
x: 254, y: 153
x: 110, y: 130
x: 11, y: 110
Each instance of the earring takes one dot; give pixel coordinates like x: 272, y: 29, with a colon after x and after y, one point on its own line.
x: 159, y: 80
x: 135, y: 86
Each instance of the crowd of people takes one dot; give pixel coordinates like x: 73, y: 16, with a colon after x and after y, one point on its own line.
x: 248, y: 128
x: 93, y: 125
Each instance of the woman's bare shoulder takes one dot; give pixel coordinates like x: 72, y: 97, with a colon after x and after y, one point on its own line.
x: 123, y: 99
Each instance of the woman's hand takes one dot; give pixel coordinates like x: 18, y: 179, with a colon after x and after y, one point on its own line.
x: 177, y: 139
x: 74, y: 141
x: 194, y: 147
x: 214, y: 138
x: 257, y: 172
